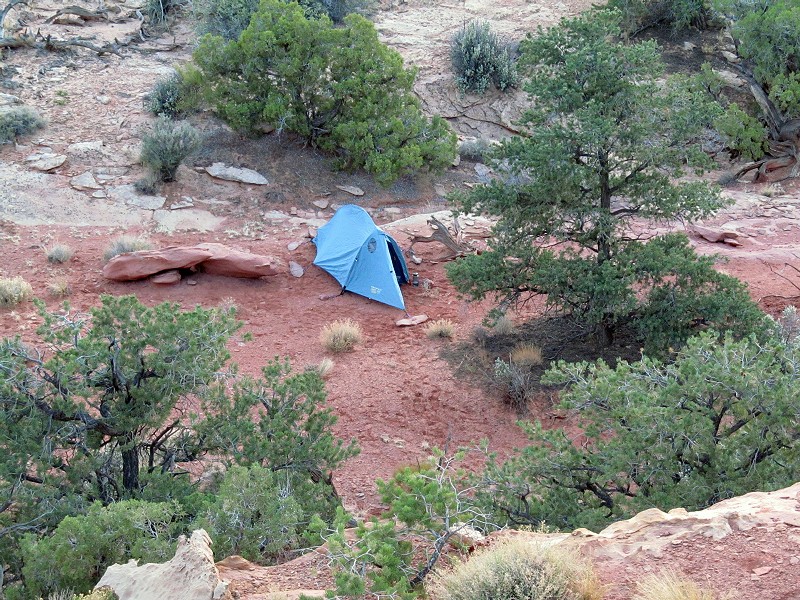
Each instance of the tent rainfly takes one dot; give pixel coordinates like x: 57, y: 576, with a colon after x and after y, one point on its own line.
x: 361, y: 257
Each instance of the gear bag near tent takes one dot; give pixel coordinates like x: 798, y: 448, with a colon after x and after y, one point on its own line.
x: 361, y: 257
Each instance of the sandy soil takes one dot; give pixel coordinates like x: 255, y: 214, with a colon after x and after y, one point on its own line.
x: 394, y: 393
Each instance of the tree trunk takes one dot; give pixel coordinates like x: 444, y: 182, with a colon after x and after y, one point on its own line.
x: 130, y: 465
x: 604, y: 329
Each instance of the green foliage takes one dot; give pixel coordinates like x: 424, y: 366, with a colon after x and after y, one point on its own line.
x: 603, y: 145
x: 335, y: 10
x: 167, y: 145
x: 768, y: 32
x: 719, y: 421
x: 340, y: 88
x: 480, y: 58
x: 518, y: 569
x: 157, y: 11
x: 281, y: 423
x: 253, y: 516
x: 224, y: 18
x: 169, y: 97
x: 15, y: 122
x: 638, y: 15
x: 430, y: 504
x: 81, y: 548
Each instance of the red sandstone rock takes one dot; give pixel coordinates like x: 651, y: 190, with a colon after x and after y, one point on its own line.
x: 237, y: 263
x: 144, y: 263
x: 166, y: 278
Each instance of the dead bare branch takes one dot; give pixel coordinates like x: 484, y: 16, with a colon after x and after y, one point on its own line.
x: 455, y: 242
x: 78, y: 11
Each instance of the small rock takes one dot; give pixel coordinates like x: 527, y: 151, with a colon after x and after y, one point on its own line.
x: 415, y: 320
x: 45, y: 162
x: 730, y: 57
x: 456, y: 160
x: 166, y: 278
x: 689, y: 46
x: 293, y: 211
x: 794, y: 560
x: 84, y: 148
x: 221, y: 171
x: 127, y: 194
x: 295, y: 269
x: 85, y: 181
x: 762, y: 570
x: 351, y: 189
x: 292, y: 246
x: 440, y: 190
x: 103, y: 99
x: 482, y: 170
x: 392, y: 210
x: 321, y: 204
x: 191, y: 282
x: 730, y: 78
x: 184, y: 202
x: 416, y: 259
x: 312, y: 232
x: 99, y: 194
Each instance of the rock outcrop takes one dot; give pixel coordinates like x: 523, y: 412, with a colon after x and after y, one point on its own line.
x: 216, y: 259
x: 190, y: 575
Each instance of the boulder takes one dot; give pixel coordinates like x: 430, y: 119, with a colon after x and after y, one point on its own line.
x: 45, y: 161
x: 221, y: 171
x: 717, y: 235
x: 190, y: 575
x: 237, y: 263
x: 144, y: 263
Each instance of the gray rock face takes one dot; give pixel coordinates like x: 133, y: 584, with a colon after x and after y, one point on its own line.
x: 85, y: 181
x: 45, y: 161
x: 221, y: 171
x: 127, y: 194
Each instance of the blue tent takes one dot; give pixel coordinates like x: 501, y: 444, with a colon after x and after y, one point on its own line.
x: 361, y: 257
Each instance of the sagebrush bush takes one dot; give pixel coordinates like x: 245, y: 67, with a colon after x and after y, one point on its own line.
x: 18, y: 121
x: 504, y: 325
x: 481, y: 59
x: 440, y: 328
x: 518, y: 569
x: 167, y: 97
x: 516, y: 381
x: 14, y: 290
x: 526, y: 355
x: 671, y: 586
x: 341, y: 336
x: 167, y: 145
x: 58, y: 254
x: 157, y: 11
x: 124, y: 244
x: 474, y: 149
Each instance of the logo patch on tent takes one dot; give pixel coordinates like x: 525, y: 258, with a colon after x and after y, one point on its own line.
x: 374, y: 290
x: 371, y: 245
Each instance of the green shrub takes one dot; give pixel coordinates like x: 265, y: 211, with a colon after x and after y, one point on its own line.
x: 353, y: 98
x: 480, y: 59
x: 167, y: 145
x: 519, y: 569
x: 744, y: 135
x: 335, y: 10
x: 59, y: 254
x: 167, y: 97
x: 225, y: 18
x: 124, y: 244
x: 252, y: 516
x: 18, y: 121
x: 157, y: 11
x: 81, y: 548
x: 14, y: 290
x: 638, y: 15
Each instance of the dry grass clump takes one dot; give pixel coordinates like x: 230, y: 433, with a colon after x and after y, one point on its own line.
x: 518, y: 569
x: 527, y: 355
x: 323, y: 368
x: 14, y: 290
x: 504, y: 326
x: 124, y: 244
x: 669, y: 585
x: 58, y: 254
x: 59, y: 288
x: 341, y: 336
x: 440, y: 328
